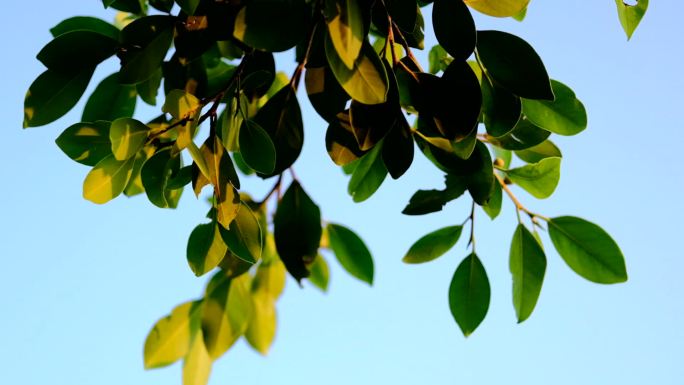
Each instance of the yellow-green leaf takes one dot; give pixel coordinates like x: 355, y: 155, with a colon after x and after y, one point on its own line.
x: 498, y: 8
x: 197, y: 363
x: 170, y: 338
x: 262, y: 326
x: 631, y: 15
x: 107, y: 179
x: 127, y: 136
x: 205, y: 248
x: 366, y: 81
x: 539, y: 179
x: 346, y: 30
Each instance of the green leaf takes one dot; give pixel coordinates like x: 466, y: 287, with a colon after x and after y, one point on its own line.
x: 147, y: 41
x: 368, y: 175
x: 433, y: 245
x: 588, y: 250
x: 501, y: 108
x: 631, y: 15
x: 398, y: 148
x: 281, y: 117
x: 340, y: 142
x: 226, y: 311
x: 256, y: 147
x: 297, y: 230
x: 85, y: 23
x: 528, y: 266
x: 110, y: 101
x: 534, y: 154
x: 170, y: 338
x: 320, y: 273
x: 244, y: 237
x: 469, y: 294
x: 493, y: 206
x: 222, y: 175
x: 135, y: 184
x: 454, y: 28
x: 149, y: 88
x: 367, y: 81
x: 157, y: 173
x: 206, y: 248
x: 86, y: 143
x: 77, y: 50
x: 262, y: 324
x: 107, y: 179
x: 188, y: 6
x: 524, y: 135
x: 438, y: 59
x: 127, y: 136
x: 326, y: 95
x: 429, y: 201
x: 564, y: 116
x: 272, y: 26
x: 351, y: 252
x: 539, y: 179
x: 162, y: 5
x: 498, y: 8
x: 513, y: 64
x: 345, y: 29
x: 53, y: 94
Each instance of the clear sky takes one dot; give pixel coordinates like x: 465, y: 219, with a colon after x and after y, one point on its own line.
x: 82, y: 284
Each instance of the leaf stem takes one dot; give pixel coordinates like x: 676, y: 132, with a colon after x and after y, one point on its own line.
x: 471, y: 242
x: 518, y: 206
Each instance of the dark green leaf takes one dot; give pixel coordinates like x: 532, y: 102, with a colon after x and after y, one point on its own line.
x: 430, y: 201
x: 188, y: 6
x: 524, y: 135
x: 346, y: 29
x: 86, y: 143
x: 469, y: 294
x: 351, y: 252
x: 564, y: 116
x: 539, y: 179
x: 513, y: 64
x: 588, y: 250
x: 162, y: 5
x: 282, y: 120
x: 501, y: 108
x: 403, y: 12
x: 146, y: 41
x: 326, y: 95
x: 454, y: 28
x: 77, y: 50
x: 433, y: 245
x: 398, y: 149
x: 52, y: 95
x: 85, y: 23
x: 110, y: 101
x: 368, y: 175
x: 149, y: 88
x: 527, y: 265
x: 156, y: 174
x: 272, y: 26
x: 493, y: 206
x: 340, y: 141
x: 256, y: 147
x: 297, y: 230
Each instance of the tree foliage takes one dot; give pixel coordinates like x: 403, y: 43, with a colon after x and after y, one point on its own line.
x: 485, y: 97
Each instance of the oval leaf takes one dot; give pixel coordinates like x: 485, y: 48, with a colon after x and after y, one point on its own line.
x: 433, y: 245
x: 77, y: 50
x: 244, y: 236
x: 564, y: 116
x: 53, y: 94
x: 588, y: 250
x: 454, y: 28
x: 205, y: 248
x: 170, y: 338
x: 498, y: 8
x: 146, y: 41
x: 107, y: 179
x: 110, y: 101
x: 528, y: 266
x: 539, y: 179
x: 368, y: 175
x: 469, y: 294
x: 367, y: 81
x: 127, y: 136
x: 86, y: 143
x: 346, y: 29
x: 256, y: 147
x: 351, y: 252
x: 514, y: 64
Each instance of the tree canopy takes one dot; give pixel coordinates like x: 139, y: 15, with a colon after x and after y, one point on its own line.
x: 485, y: 97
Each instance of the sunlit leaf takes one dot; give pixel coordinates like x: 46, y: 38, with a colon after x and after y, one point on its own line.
x: 368, y: 175
x: 206, y: 248
x: 345, y: 29
x: 631, y: 14
x: 367, y: 81
x: 534, y: 154
x: 564, y: 116
x: 539, y: 179
x: 197, y: 363
x: 86, y: 143
x: 107, y: 179
x: 127, y: 136
x: 156, y: 174
x: 244, y: 237
x: 588, y: 250
x: 320, y: 273
x: 498, y: 8
x: 170, y: 338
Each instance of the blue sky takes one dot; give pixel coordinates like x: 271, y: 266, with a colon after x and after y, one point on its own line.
x: 82, y: 284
